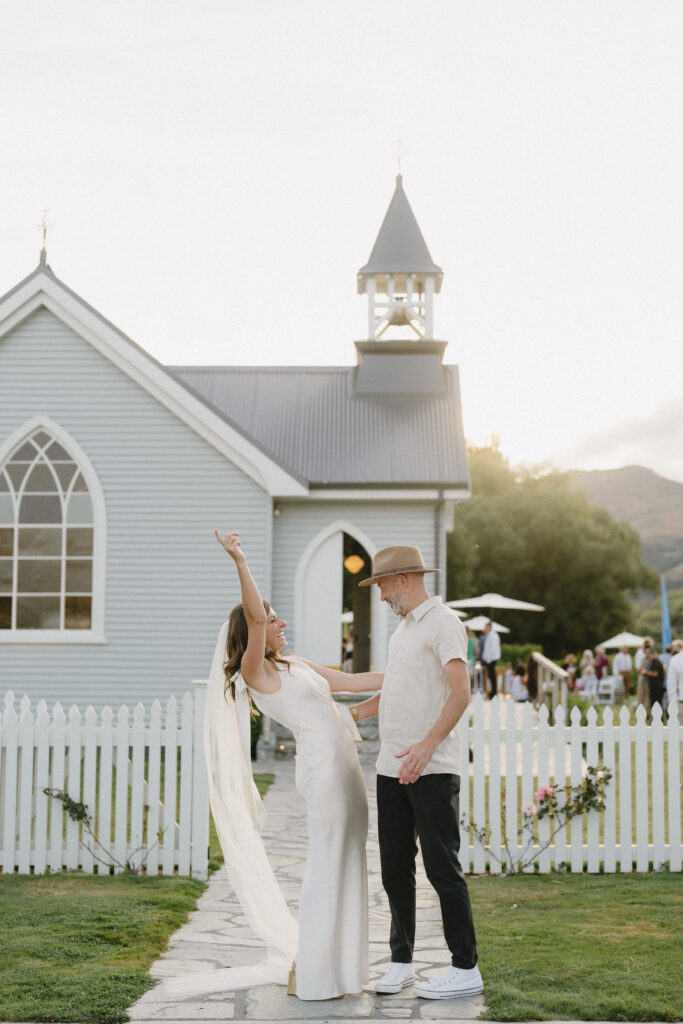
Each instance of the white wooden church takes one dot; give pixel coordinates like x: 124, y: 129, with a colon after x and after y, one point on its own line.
x: 114, y: 471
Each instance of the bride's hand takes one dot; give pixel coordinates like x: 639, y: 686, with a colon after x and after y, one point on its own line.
x: 231, y: 543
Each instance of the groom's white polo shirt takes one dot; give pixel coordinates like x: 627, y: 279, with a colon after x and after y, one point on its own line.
x: 415, y: 687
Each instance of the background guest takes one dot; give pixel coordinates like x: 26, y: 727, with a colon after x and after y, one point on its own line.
x: 622, y: 664
x: 520, y: 691
x: 655, y: 678
x: 571, y: 668
x: 601, y: 662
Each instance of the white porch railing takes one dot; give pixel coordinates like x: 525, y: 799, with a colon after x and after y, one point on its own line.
x: 142, y: 779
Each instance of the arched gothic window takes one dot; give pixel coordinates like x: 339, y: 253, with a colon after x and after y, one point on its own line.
x: 48, y: 544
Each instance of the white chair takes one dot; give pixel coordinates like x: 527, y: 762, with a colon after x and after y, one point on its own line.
x: 607, y: 689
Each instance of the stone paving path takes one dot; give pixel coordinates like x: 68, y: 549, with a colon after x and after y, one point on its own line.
x: 217, y: 935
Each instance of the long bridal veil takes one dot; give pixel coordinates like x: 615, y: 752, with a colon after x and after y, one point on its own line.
x: 238, y: 814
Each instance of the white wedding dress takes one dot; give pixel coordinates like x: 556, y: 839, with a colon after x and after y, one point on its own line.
x: 332, y: 957
x: 331, y: 941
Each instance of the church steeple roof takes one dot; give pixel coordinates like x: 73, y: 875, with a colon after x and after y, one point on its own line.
x: 399, y: 247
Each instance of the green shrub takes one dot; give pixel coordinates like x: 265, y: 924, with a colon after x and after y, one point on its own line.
x: 517, y: 652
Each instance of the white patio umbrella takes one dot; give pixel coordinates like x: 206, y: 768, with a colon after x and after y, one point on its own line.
x: 623, y: 640
x: 479, y: 621
x: 496, y: 601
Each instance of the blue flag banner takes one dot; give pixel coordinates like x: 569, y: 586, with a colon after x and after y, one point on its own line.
x: 666, y: 618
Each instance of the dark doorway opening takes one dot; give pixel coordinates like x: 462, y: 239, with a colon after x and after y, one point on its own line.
x: 356, y: 603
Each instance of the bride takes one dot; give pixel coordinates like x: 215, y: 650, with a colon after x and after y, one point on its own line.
x: 332, y: 955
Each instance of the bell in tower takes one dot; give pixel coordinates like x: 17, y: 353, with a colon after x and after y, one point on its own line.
x: 400, y: 278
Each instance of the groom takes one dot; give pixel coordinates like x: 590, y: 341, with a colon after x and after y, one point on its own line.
x: 426, y: 690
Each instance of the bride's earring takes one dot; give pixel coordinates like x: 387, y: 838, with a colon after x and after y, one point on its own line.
x: 291, y: 980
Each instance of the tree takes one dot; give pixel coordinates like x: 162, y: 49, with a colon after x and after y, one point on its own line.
x: 531, y: 535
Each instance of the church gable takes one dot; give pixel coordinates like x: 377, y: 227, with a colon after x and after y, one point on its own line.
x: 42, y: 294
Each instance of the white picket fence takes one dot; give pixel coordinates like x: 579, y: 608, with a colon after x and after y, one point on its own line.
x: 142, y: 779
x: 516, y: 751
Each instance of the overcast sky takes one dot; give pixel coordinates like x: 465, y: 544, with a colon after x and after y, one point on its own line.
x: 216, y: 172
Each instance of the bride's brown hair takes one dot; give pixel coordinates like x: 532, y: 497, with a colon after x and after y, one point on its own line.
x: 238, y: 638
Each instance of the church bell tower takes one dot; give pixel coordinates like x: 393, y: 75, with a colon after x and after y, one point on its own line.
x: 400, y: 279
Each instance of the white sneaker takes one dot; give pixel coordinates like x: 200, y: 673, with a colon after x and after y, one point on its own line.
x: 396, y: 978
x: 456, y: 981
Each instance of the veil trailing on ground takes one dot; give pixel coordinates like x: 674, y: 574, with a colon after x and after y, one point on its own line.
x: 238, y: 814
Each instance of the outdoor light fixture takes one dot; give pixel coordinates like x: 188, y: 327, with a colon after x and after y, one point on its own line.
x: 354, y: 563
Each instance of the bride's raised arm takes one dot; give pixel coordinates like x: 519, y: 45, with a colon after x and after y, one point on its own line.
x: 254, y: 666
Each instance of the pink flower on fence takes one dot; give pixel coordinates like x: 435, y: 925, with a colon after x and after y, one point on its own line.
x: 528, y: 810
x: 544, y: 792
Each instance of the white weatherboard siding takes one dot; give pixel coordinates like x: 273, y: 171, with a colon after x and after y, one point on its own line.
x: 168, y: 585
x: 382, y: 523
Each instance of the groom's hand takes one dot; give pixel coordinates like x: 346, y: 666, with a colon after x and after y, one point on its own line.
x: 416, y: 758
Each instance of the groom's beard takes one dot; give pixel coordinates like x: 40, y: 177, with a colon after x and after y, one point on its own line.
x: 397, y: 606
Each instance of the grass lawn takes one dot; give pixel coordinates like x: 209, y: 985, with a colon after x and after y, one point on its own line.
x: 77, y: 947
x: 583, y: 947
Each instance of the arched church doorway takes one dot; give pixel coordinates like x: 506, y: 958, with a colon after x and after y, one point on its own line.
x: 328, y: 597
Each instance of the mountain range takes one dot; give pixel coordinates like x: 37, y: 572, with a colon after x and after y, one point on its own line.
x: 652, y: 504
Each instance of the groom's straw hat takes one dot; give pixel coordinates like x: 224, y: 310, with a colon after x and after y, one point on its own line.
x: 394, y: 560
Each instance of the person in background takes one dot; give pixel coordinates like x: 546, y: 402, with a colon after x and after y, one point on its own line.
x: 622, y: 663
x: 508, y: 676
x: 586, y: 660
x: 570, y: 667
x: 347, y: 650
x: 641, y: 652
x: 489, y: 656
x: 642, y: 668
x: 520, y: 691
x: 674, y: 681
x: 665, y: 658
x: 587, y: 674
x: 601, y: 662
x: 655, y: 677
x: 532, y: 678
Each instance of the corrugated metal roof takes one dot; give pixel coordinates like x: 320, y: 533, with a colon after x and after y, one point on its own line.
x: 309, y: 420
x: 400, y: 246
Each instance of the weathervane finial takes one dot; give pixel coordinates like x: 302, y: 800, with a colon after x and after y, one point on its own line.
x: 399, y: 153
x: 44, y: 228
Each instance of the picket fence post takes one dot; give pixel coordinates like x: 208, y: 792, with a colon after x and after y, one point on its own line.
x: 42, y: 780
x: 673, y: 734
x: 642, y: 852
x: 560, y: 780
x: 656, y: 794
x: 200, y: 789
x: 25, y: 766
x: 610, y: 815
x: 495, y: 866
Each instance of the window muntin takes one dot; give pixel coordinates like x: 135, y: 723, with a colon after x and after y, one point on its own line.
x: 46, y: 539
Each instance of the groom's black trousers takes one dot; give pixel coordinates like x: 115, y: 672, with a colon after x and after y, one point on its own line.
x: 427, y: 809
